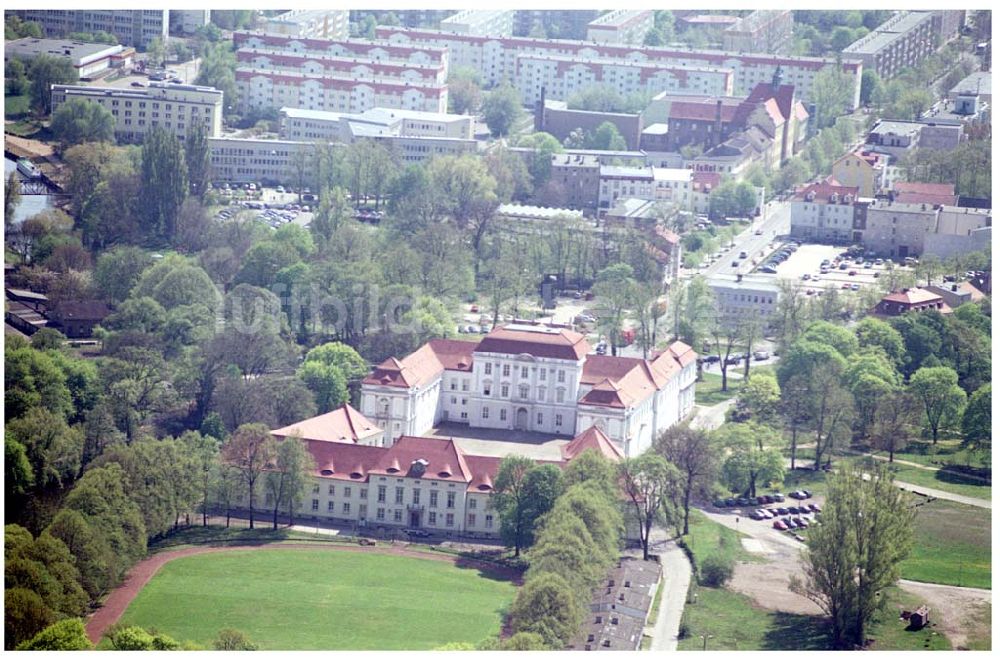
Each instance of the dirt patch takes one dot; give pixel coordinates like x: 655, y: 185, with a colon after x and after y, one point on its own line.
x: 958, y: 611
x: 766, y: 583
x: 119, y: 598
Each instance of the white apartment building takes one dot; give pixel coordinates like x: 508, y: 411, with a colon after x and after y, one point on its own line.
x: 132, y: 27
x: 260, y: 160
x: 824, y: 212
x: 347, y: 76
x: 673, y: 186
x: 483, y: 22
x: 496, y: 58
x: 621, y: 26
x: 136, y: 111
x: 315, y: 23
x: 561, y: 76
x: 744, y: 297
x: 534, y: 378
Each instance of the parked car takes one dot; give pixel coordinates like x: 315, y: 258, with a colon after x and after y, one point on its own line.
x: 778, y: 497
x: 712, y: 358
x: 735, y: 264
x: 719, y: 503
x: 761, y: 355
x: 800, y: 522
x: 742, y: 501
x: 484, y: 329
x: 417, y: 534
x: 843, y: 266
x: 852, y: 273
x: 780, y: 526
x: 782, y: 510
x: 800, y: 494
x: 756, y: 514
x: 730, y: 501
x: 743, y: 255
x: 815, y: 508
x: 794, y: 510
x: 846, y: 285
x: 789, y: 523
x: 855, y: 287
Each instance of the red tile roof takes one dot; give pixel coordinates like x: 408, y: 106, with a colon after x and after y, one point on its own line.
x: 541, y: 341
x: 344, y: 424
x: 912, y: 296
x: 443, y: 460
x: 348, y: 462
x: 824, y: 189
x: 592, y: 439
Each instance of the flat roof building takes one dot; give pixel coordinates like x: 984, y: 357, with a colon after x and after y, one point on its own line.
x: 132, y: 27
x: 621, y: 26
x: 761, y: 31
x: 492, y: 22
x: 136, y: 111
x: 902, y: 41
x: 87, y: 58
x: 314, y: 23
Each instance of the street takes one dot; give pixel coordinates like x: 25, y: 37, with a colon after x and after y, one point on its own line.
x: 776, y: 222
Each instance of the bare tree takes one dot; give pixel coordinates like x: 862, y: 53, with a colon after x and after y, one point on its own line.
x: 249, y: 451
x: 694, y: 453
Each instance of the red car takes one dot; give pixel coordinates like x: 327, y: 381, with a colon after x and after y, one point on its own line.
x: 778, y: 525
x: 845, y: 286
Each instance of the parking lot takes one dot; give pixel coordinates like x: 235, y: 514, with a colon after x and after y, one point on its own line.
x: 808, y: 259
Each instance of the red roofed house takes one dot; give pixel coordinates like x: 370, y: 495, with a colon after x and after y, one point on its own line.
x: 864, y: 170
x: 535, y: 378
x: 824, y: 211
x: 417, y: 482
x: 908, y: 300
x: 344, y: 425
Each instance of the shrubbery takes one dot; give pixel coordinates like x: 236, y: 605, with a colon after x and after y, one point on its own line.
x: 717, y: 569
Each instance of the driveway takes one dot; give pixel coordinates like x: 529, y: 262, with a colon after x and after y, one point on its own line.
x: 676, y: 580
x: 710, y: 418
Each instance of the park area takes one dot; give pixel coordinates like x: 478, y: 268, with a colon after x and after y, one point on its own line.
x: 322, y: 599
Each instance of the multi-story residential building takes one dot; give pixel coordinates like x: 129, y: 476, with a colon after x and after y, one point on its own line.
x: 349, y: 76
x: 824, y: 212
x: 136, y: 111
x: 621, y: 26
x: 761, y: 31
x: 188, y: 21
x: 132, y: 27
x: 531, y: 377
x: 556, y: 118
x: 656, y: 184
x: 87, y: 59
x: 574, y: 182
x: 497, y: 59
x: 412, y: 136
x: 260, y: 160
x: 741, y: 298
x: 555, y: 23
x: 737, y: 154
x: 482, y: 22
x: 902, y: 41
x: 895, y: 229
x: 313, y: 23
x: 702, y: 184
x: 560, y: 76
x: 864, y: 170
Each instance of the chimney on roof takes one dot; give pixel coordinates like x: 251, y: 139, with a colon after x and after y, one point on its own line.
x: 954, y: 287
x: 739, y: 277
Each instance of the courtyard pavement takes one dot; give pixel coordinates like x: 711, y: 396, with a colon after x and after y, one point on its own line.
x: 499, y: 443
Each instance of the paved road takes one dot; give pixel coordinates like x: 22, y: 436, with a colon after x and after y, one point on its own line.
x: 710, y: 418
x: 945, y: 495
x: 777, y: 222
x: 676, y: 579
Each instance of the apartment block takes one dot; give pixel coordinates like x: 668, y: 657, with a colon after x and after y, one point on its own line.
x: 559, y: 23
x: 621, y: 26
x: 498, y: 59
x: 136, y: 111
x: 132, y: 27
x: 562, y: 76
x: 187, y: 21
x: 574, y: 181
x: 483, y: 22
x: 259, y: 160
x: 346, y: 76
x: 312, y: 23
x: 902, y: 41
x: 762, y: 31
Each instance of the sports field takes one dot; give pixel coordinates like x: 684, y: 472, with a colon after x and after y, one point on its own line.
x: 313, y: 599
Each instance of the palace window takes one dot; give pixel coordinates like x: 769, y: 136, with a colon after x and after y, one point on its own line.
x: 472, y: 504
x: 364, y: 493
x: 558, y: 419
x: 432, y: 518
x: 486, y: 412
x: 524, y: 372
x: 332, y: 489
x: 506, y: 370
x: 347, y: 491
x: 434, y: 498
x: 451, y: 500
x: 315, y: 505
x: 416, y: 495
x: 397, y: 515
x: 347, y: 507
x: 504, y: 390
x: 381, y: 493
x: 471, y: 520
x: 449, y: 519
x: 503, y: 414
x: 489, y: 521
x: 399, y: 495
x: 522, y: 391
x: 380, y: 514
x: 329, y: 506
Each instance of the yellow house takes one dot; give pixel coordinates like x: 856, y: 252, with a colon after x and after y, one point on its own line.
x: 863, y: 170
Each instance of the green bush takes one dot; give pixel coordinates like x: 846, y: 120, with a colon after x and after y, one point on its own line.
x: 717, y: 569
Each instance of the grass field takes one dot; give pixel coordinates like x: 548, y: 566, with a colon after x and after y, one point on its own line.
x: 15, y: 106
x: 952, y: 545
x: 734, y: 623
x: 944, y: 480
x: 948, y: 452
x: 707, y: 536
x: 322, y: 600
x: 709, y: 391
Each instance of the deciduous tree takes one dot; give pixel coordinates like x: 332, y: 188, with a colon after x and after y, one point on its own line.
x: 651, y: 484
x: 696, y: 457
x: 249, y: 450
x: 943, y: 400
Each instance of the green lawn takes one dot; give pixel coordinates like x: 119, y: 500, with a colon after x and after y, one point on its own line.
x: 952, y: 545
x: 709, y: 390
x: 944, y: 480
x: 734, y: 623
x: 947, y: 453
x: 809, y: 479
x: 16, y: 106
x: 707, y: 536
x: 322, y: 600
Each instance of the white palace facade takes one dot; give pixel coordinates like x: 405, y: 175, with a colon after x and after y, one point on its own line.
x: 531, y: 377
